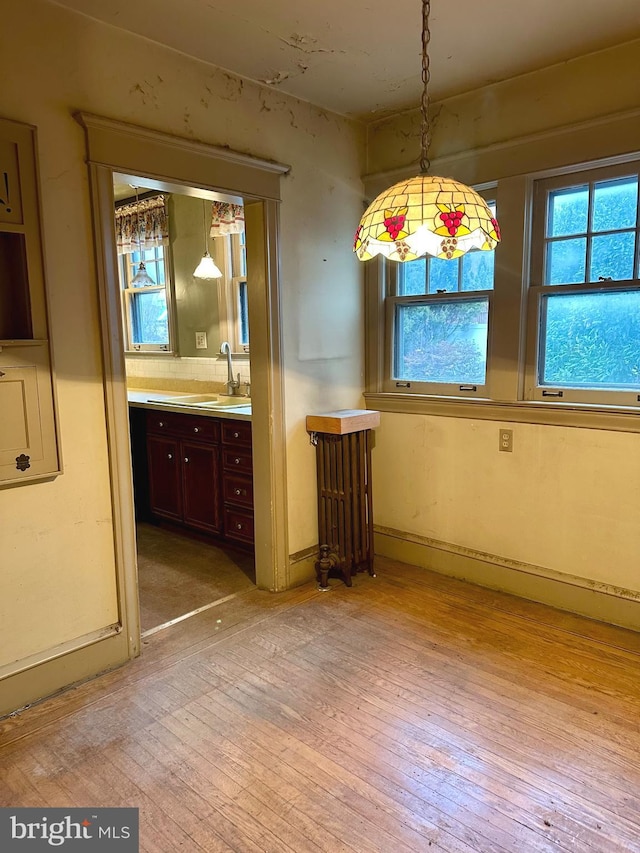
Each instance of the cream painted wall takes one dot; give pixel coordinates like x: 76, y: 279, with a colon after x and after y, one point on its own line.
x: 56, y: 550
x: 599, y: 84
x: 566, y: 499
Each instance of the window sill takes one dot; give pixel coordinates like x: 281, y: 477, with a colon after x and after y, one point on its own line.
x: 550, y: 414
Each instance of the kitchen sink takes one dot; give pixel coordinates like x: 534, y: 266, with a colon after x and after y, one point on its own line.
x: 203, y: 401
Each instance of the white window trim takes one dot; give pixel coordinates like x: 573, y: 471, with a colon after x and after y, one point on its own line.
x: 540, y: 156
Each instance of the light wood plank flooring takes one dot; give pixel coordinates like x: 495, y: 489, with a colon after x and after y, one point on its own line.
x: 410, y: 713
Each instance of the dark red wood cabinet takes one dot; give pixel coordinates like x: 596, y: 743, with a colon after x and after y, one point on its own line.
x: 200, y: 473
x: 237, y: 481
x: 183, y: 455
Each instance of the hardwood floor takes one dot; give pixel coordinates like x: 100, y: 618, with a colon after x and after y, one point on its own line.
x: 412, y: 712
x: 178, y: 574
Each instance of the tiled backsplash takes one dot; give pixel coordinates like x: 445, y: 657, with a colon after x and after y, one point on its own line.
x: 188, y: 374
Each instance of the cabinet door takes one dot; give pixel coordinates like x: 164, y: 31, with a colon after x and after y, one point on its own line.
x: 165, y: 492
x: 201, y: 486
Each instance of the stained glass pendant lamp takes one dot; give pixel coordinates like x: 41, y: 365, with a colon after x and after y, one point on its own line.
x: 142, y: 277
x: 426, y: 215
x: 206, y: 268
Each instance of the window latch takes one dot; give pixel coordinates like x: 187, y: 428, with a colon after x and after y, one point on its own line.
x: 552, y: 393
x: 403, y: 385
x: 468, y: 387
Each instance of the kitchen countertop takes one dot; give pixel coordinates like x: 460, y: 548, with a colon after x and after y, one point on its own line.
x: 143, y: 399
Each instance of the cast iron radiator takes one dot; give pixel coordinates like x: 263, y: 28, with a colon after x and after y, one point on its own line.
x: 345, y: 517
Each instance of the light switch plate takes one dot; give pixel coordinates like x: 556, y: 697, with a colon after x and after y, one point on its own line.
x: 201, y: 340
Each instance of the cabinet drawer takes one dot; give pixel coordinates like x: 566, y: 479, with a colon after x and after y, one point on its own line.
x: 238, y: 524
x: 238, y: 459
x: 236, y: 432
x: 237, y: 489
x: 183, y: 426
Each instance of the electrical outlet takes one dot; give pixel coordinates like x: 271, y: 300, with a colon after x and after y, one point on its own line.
x: 201, y: 340
x: 506, y: 440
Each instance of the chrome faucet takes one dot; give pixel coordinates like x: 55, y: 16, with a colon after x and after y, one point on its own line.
x: 233, y: 385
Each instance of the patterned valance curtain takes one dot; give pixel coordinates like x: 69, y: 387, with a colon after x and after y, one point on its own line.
x: 142, y: 225
x: 226, y: 218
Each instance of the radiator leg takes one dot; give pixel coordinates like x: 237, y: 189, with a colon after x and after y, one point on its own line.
x: 328, y: 560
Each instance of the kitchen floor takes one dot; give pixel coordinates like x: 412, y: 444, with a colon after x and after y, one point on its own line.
x: 177, y: 574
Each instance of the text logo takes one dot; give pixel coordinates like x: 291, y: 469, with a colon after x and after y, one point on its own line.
x: 35, y: 830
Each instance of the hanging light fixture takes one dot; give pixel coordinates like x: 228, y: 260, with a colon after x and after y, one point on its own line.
x: 426, y: 215
x: 206, y: 268
x: 142, y: 277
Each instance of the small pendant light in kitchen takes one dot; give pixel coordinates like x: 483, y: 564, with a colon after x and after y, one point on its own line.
x: 142, y: 277
x: 207, y: 268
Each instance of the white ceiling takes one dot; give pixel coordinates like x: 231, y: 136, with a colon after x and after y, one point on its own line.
x: 361, y: 58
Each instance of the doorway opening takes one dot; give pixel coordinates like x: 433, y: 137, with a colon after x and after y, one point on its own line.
x: 187, y: 351
x: 172, y: 165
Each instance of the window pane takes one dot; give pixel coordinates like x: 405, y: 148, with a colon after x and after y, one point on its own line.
x: 568, y: 211
x: 443, y: 275
x: 612, y: 256
x: 442, y: 342
x: 149, y: 321
x: 412, y: 277
x: 477, y: 271
x: 591, y: 340
x: 566, y: 261
x: 243, y: 313
x: 615, y: 204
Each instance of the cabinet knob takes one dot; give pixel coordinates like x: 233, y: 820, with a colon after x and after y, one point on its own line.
x: 160, y: 423
x: 238, y: 526
x: 186, y: 458
x: 169, y: 455
x: 237, y: 460
x: 236, y: 435
x: 196, y: 429
x: 240, y: 491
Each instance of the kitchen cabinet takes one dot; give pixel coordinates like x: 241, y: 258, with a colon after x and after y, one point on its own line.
x: 29, y: 447
x: 197, y: 472
x: 237, y: 481
x: 183, y: 458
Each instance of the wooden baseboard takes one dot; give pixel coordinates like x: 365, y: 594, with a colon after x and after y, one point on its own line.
x: 41, y: 680
x: 596, y: 600
x: 302, y: 566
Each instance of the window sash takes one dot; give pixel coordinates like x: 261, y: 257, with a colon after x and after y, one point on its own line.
x: 413, y: 386
x: 538, y: 290
x: 127, y: 269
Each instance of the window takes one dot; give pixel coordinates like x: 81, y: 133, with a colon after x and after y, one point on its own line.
x: 585, y: 293
x: 235, y: 304
x: 549, y: 321
x: 438, y: 315
x: 240, y: 295
x: 146, y: 306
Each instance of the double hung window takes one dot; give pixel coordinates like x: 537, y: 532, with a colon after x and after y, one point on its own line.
x: 146, y: 305
x: 584, y: 297
x: 438, y: 321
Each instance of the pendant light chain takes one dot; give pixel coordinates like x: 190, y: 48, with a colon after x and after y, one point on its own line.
x: 425, y: 132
